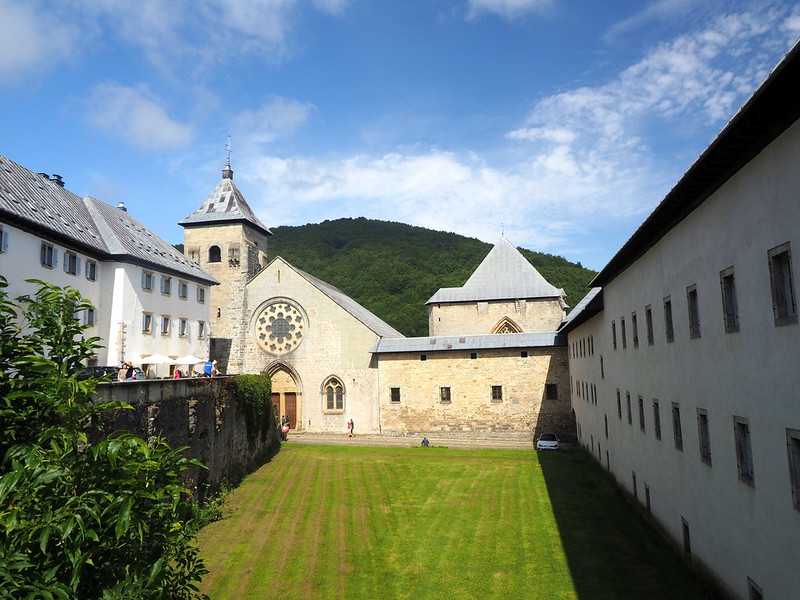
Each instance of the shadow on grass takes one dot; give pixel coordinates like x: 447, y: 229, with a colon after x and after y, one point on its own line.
x: 612, y: 552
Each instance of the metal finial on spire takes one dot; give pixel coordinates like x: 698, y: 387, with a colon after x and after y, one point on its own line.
x: 227, y: 172
x: 502, y: 229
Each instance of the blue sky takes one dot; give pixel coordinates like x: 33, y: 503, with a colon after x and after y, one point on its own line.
x: 561, y: 122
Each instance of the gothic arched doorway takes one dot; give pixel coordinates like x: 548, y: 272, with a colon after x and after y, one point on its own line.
x: 285, y: 394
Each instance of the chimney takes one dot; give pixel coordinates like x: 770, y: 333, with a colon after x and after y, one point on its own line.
x: 58, y: 180
x: 121, y: 206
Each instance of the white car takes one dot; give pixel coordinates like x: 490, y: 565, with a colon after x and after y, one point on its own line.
x: 547, y: 441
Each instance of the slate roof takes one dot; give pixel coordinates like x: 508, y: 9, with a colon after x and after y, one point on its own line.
x: 540, y: 339
x: 503, y: 275
x: 590, y: 305
x: 373, y: 322
x: 225, y: 204
x: 36, y: 203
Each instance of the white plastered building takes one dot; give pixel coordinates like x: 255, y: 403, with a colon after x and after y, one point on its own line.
x: 149, y: 298
x: 684, y: 357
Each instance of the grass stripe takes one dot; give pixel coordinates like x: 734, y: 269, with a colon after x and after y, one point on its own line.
x: 427, y: 523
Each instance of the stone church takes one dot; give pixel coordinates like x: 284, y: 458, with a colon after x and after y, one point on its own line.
x: 493, y: 364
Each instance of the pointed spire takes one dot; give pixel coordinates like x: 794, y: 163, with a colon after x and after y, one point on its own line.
x: 227, y: 172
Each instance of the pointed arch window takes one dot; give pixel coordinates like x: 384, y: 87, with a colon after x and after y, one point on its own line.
x: 506, y: 325
x: 333, y: 395
x: 214, y: 254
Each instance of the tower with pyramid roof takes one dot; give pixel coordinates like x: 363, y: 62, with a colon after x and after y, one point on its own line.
x: 227, y: 239
x: 505, y: 294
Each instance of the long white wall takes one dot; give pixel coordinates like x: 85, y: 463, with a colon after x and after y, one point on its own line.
x: 737, y: 529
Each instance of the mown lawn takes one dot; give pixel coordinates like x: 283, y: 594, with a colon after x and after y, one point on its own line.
x: 325, y: 522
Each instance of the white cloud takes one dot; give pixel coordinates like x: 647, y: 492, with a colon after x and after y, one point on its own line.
x: 509, y: 9
x: 581, y: 162
x: 659, y: 10
x: 134, y: 116
x: 31, y: 41
x: 275, y: 118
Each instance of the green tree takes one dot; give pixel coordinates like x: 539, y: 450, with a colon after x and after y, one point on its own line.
x: 80, y: 520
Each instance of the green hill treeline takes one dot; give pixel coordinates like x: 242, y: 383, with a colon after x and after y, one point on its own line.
x: 392, y: 269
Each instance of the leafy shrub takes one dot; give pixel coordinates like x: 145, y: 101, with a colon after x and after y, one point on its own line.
x: 79, y: 520
x: 254, y: 394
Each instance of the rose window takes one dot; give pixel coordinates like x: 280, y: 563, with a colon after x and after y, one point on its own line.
x: 279, y: 328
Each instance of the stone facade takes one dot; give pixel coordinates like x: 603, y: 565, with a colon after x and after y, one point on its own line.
x: 467, y: 405
x: 200, y: 414
x: 535, y: 314
x: 233, y: 254
x: 334, y: 344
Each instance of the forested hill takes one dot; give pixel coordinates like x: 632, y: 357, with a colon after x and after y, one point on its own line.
x: 392, y: 269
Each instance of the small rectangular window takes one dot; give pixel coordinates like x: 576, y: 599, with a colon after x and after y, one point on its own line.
x: 183, y: 326
x: 614, y: 335
x: 551, y: 391
x: 233, y: 256
x: 784, y: 305
x: 444, y: 395
x: 628, y: 401
x: 635, y: 329
x: 423, y: 357
x: 201, y: 294
x: 523, y: 354
x: 166, y: 285
x: 755, y: 592
x: 394, y: 397
x: 668, y: 328
x: 91, y: 270
x: 677, y: 430
x: 147, y: 323
x: 473, y: 355
x: 165, y: 319
x: 183, y: 290
x: 49, y: 255
x: 687, y: 540
x: 640, y: 402
x: 602, y: 368
x: 656, y: 419
x: 622, y: 333
x: 635, y: 486
x: 694, y: 311
x: 793, y: 447
x: 704, y: 435
x: 648, y: 321
x: 147, y: 281
x: 744, y: 451
x: 71, y: 263
x: 619, y: 406
x: 730, y: 308
x: 497, y: 393
x: 90, y: 316
x: 201, y: 330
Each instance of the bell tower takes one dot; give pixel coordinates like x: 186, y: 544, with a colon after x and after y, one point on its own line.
x: 225, y: 238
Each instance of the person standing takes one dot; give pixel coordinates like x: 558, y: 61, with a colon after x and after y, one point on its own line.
x: 351, y: 428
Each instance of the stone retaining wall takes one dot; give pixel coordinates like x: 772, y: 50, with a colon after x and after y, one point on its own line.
x: 200, y: 414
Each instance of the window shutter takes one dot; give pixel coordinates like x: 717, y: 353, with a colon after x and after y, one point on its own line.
x: 3, y: 241
x: 144, y: 281
x: 55, y: 257
x: 77, y: 264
